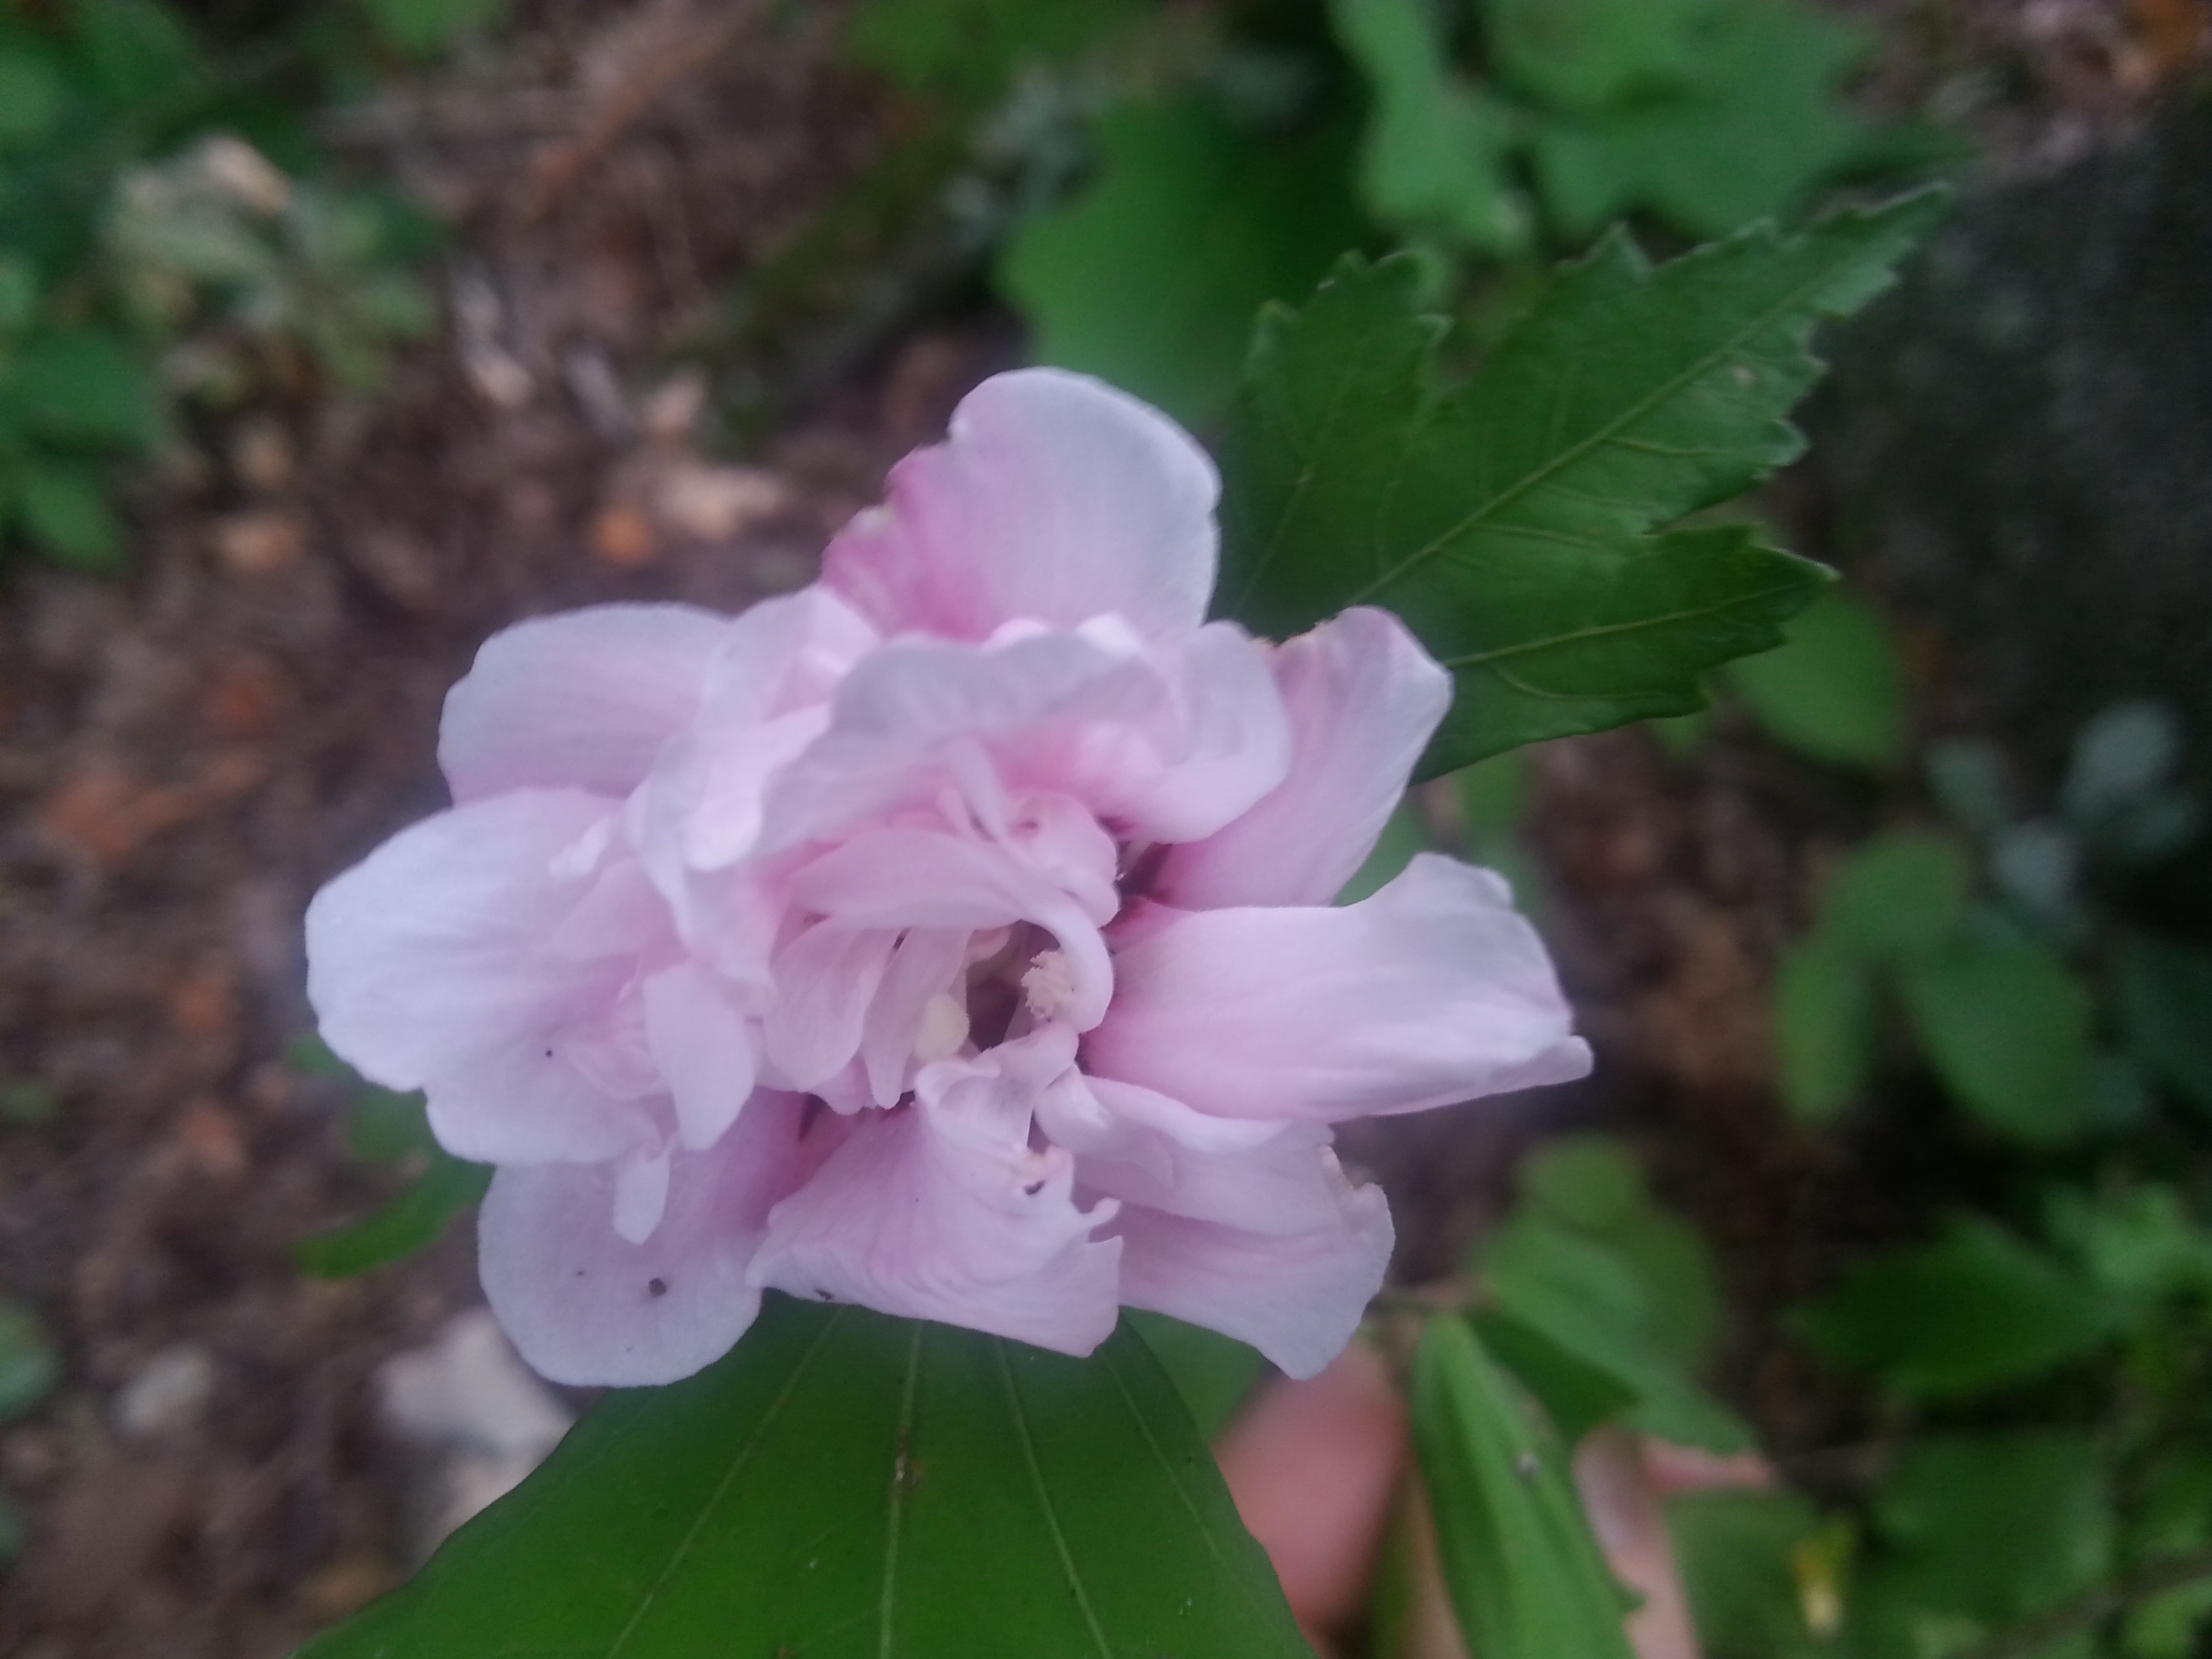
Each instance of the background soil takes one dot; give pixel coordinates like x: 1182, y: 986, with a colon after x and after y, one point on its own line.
x: 187, y: 753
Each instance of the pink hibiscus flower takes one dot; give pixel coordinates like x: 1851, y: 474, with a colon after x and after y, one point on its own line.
x: 953, y: 937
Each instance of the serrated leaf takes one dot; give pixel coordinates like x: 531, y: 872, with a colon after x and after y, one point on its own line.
x: 2006, y: 1024
x: 1150, y: 277
x: 413, y: 1220
x: 845, y: 1485
x: 1510, y: 519
x: 1763, y: 125
x: 1975, y: 1310
x: 1834, y: 689
x: 1896, y: 894
x: 1586, y: 54
x: 1824, y: 1029
x: 1434, y: 157
x: 1526, y: 1577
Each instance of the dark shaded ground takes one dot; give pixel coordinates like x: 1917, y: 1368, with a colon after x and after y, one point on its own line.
x: 187, y: 753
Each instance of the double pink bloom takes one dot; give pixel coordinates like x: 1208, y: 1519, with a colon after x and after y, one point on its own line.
x: 952, y: 937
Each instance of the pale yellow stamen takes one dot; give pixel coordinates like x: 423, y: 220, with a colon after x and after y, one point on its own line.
x: 944, y: 1029
x: 1048, y: 987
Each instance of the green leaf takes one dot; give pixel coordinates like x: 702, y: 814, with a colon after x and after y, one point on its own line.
x: 1976, y: 1309
x: 2140, y: 1243
x: 1824, y: 1029
x: 1150, y: 277
x: 81, y: 387
x: 1403, y: 835
x: 27, y: 1366
x: 844, y: 1485
x: 32, y: 93
x: 2162, y: 992
x: 139, y: 54
x: 1508, y: 520
x: 1525, y: 1576
x: 14, y: 1531
x: 1588, y: 1262
x: 411, y: 1222
x: 1434, y: 157
x: 969, y: 50
x: 64, y: 509
x: 1897, y: 895
x: 1834, y: 691
x: 1213, y: 1373
x: 1763, y: 126
x: 2006, y: 1027
x: 1586, y: 54
x: 1575, y: 1395
x: 1738, y: 1553
x: 385, y: 1126
x: 424, y: 27
x: 1997, y: 1526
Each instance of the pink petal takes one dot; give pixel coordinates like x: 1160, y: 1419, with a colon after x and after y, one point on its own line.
x: 1363, y: 699
x: 703, y: 1047
x: 826, y: 978
x: 942, y: 1210
x: 926, y: 965
x: 1226, y: 746
x: 901, y: 878
x: 430, y: 966
x: 906, y: 724
x: 582, y: 701
x: 1168, y: 1159
x: 1055, y: 499
x: 1433, y: 990
x: 1297, y: 1298
x: 581, y: 1302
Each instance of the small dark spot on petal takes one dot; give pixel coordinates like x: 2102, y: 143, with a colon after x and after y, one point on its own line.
x: 1033, y: 1189
x: 548, y: 1054
x: 826, y: 1295
x: 656, y: 1286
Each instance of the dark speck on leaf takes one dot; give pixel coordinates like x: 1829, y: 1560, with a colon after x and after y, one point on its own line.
x: 656, y: 1286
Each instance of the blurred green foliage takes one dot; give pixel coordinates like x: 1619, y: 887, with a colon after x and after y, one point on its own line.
x: 151, y: 250
x: 383, y: 1127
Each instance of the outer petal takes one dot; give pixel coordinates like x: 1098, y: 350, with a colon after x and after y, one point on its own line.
x: 580, y: 700
x: 1432, y: 991
x: 1297, y: 1298
x: 582, y: 1304
x: 430, y: 967
x: 1055, y: 499
x: 1364, y: 698
x: 943, y: 1211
